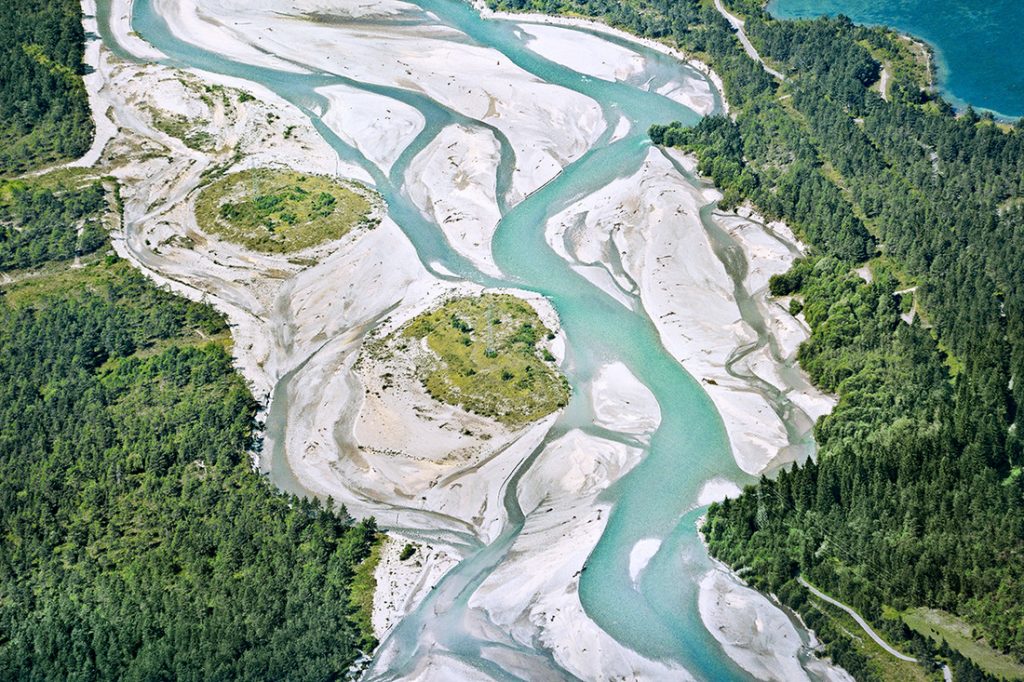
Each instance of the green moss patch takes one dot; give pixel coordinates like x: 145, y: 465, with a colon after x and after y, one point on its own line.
x: 281, y: 211
x: 489, y: 359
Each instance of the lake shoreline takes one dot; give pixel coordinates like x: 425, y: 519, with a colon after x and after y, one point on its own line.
x: 938, y: 65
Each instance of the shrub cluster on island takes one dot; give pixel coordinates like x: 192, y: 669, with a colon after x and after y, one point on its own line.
x: 282, y: 211
x: 487, y: 359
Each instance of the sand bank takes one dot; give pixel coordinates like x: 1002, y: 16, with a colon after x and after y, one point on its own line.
x: 596, y: 26
x: 105, y: 128
x: 621, y: 403
x: 379, y: 127
x: 121, y: 28
x: 547, y: 126
x: 576, y: 50
x: 667, y: 258
x: 589, y: 54
x: 564, y: 522
x: 755, y: 632
x: 402, y: 584
x: 457, y: 175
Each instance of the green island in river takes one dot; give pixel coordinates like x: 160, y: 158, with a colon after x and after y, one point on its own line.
x: 281, y: 211
x: 485, y: 358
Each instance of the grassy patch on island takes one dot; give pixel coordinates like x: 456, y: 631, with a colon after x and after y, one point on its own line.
x: 280, y: 211
x: 488, y: 358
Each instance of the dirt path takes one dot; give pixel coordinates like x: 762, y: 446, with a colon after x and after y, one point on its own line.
x: 860, y: 621
x: 737, y: 24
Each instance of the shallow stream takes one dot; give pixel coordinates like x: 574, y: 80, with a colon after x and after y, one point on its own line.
x: 657, y: 617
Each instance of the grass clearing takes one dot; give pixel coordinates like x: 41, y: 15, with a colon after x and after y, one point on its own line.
x: 489, y: 359
x: 281, y: 211
x: 959, y: 634
x: 360, y: 597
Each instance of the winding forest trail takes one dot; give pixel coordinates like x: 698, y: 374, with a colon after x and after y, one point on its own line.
x: 737, y: 24
x: 947, y: 674
x: 860, y: 621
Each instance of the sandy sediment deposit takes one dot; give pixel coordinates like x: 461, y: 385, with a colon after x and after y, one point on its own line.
x: 120, y: 26
x: 105, y: 128
x: 557, y: 48
x: 621, y: 403
x: 379, y: 127
x: 577, y: 50
x: 564, y: 520
x: 756, y: 633
x: 458, y: 176
x: 546, y: 125
x: 716, y: 490
x: 402, y: 583
x: 662, y: 253
x: 559, y: 494
x: 398, y: 444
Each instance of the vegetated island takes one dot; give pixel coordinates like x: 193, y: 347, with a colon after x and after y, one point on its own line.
x: 913, y: 294
x: 282, y: 211
x: 484, y: 356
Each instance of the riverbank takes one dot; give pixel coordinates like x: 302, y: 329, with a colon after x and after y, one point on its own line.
x: 749, y: 623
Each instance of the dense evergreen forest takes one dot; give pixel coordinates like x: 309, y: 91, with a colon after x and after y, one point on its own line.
x: 136, y: 541
x: 38, y: 225
x: 44, y: 110
x: 917, y: 497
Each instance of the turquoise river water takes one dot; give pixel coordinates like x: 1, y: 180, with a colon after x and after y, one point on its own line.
x: 657, y: 618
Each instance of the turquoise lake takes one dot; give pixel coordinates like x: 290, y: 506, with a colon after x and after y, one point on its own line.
x: 978, y: 47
